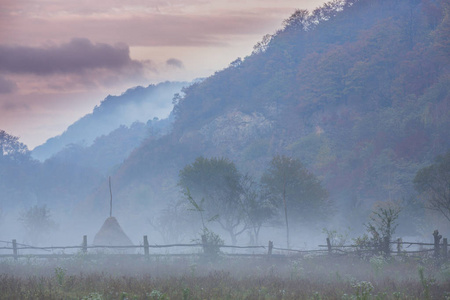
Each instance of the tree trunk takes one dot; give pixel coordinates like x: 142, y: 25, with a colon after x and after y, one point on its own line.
x: 285, y: 214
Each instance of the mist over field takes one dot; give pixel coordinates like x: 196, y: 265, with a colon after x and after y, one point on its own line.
x: 317, y: 167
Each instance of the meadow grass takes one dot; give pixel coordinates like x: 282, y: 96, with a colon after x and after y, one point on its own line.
x: 313, y: 277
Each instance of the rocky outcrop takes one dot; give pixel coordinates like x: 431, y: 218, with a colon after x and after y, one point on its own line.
x: 236, y: 129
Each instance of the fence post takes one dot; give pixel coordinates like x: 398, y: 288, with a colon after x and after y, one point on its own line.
x: 437, y: 239
x: 146, y: 252
x: 84, y: 244
x: 269, y: 252
x: 445, y: 248
x: 387, y: 246
x: 399, y: 245
x: 329, y: 245
x: 205, y: 244
x: 14, y: 244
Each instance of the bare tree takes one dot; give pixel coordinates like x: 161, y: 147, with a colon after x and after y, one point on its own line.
x: 37, y: 222
x: 433, y: 182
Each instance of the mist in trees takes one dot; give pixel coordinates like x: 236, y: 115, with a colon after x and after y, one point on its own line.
x: 137, y: 104
x: 216, y: 183
x: 291, y: 187
x: 38, y: 223
x: 433, y: 182
x: 354, y: 94
x: 238, y: 203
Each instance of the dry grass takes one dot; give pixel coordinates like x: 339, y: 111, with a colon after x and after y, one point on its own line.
x: 228, y: 278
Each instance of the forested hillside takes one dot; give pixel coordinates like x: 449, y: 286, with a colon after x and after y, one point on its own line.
x: 69, y: 176
x: 138, y: 104
x: 355, y: 93
x: 80, y: 159
x: 359, y: 91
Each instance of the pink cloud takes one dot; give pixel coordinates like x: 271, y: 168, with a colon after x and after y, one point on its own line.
x: 140, y: 23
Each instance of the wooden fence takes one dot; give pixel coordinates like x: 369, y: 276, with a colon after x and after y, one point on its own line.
x: 438, y: 248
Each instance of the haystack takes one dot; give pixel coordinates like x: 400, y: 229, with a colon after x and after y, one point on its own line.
x: 111, y: 234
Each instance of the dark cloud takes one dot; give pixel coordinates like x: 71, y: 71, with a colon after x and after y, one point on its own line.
x: 7, y: 86
x: 173, y: 62
x: 74, y: 57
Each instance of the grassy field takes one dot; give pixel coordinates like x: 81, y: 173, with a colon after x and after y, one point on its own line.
x: 315, y: 277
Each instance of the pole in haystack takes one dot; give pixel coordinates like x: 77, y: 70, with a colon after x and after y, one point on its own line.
x: 111, y: 234
x: 110, y: 202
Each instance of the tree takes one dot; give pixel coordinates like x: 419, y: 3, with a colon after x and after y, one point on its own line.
x: 171, y: 223
x: 262, y: 46
x: 17, y: 171
x: 218, y: 183
x: 210, y: 240
x: 258, y: 209
x: 298, y: 20
x: 382, y: 226
x: 11, y: 147
x: 37, y: 222
x: 290, y: 185
x: 433, y: 182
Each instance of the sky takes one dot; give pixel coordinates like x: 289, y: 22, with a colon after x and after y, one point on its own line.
x: 60, y: 58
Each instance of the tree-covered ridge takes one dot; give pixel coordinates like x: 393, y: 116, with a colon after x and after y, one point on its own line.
x: 68, y: 177
x: 137, y: 104
x: 359, y: 91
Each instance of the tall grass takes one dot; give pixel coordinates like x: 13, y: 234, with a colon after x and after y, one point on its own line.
x: 319, y: 277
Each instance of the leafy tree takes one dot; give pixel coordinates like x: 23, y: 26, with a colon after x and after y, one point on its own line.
x: 434, y: 184
x: 11, y: 147
x: 381, y: 227
x: 262, y: 46
x: 291, y: 186
x: 17, y: 172
x: 298, y: 20
x: 218, y: 183
x: 37, y: 222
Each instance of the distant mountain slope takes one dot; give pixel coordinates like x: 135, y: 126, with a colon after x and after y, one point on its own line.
x: 70, y: 175
x: 136, y: 104
x: 358, y: 90
x: 109, y: 151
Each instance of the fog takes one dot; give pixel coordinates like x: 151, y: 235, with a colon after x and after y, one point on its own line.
x: 72, y: 225
x: 138, y: 104
x: 315, y: 168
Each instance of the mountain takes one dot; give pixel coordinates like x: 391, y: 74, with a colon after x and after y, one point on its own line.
x: 70, y: 175
x: 136, y: 104
x: 359, y: 91
x: 73, y: 169
x: 109, y: 151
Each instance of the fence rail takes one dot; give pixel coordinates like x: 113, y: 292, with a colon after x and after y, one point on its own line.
x: 439, y: 249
